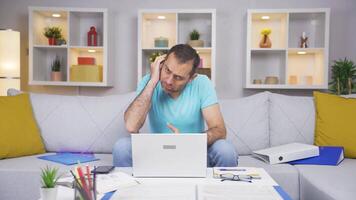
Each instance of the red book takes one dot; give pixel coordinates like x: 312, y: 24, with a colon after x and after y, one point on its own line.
x: 86, y: 61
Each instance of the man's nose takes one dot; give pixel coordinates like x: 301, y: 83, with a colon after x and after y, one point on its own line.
x: 170, y: 79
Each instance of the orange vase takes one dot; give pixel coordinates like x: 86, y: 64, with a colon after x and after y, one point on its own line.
x: 56, y: 76
x: 265, y: 42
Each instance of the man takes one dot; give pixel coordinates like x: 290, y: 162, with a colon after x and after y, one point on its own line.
x: 177, y: 99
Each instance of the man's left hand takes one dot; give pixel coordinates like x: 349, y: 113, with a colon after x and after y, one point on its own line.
x: 174, y: 129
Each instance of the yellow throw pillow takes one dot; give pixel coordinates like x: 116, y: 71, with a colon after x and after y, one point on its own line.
x: 335, y: 122
x: 19, y: 134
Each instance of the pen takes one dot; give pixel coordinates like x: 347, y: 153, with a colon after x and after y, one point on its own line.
x: 232, y: 170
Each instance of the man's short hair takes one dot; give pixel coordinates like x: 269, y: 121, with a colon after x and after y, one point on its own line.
x: 185, y: 53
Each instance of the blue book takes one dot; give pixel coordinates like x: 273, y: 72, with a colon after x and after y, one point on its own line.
x: 328, y: 155
x: 69, y: 158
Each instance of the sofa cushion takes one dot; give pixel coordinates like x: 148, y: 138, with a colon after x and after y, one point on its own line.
x: 19, y: 134
x: 292, y: 119
x: 81, y: 123
x: 335, y: 122
x: 24, y: 174
x: 246, y: 121
x: 320, y: 182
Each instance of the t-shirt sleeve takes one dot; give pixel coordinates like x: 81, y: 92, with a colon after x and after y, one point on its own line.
x: 142, y: 84
x: 207, y: 92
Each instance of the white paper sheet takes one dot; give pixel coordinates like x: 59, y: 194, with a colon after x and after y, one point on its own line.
x: 233, y: 192
x: 157, y: 192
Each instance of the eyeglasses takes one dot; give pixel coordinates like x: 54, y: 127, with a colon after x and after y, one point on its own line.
x: 241, y: 177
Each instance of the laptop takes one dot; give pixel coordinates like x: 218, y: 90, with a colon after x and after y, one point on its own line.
x: 169, y: 155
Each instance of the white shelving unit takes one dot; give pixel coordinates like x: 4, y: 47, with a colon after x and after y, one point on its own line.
x: 295, y: 67
x: 75, y: 24
x: 176, y: 26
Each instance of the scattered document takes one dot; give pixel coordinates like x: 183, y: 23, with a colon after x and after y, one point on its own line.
x: 115, y: 180
x: 259, y: 175
x: 69, y: 158
x: 157, y: 192
x: 233, y: 192
x: 105, y: 183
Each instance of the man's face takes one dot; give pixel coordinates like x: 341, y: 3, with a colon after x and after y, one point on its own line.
x: 175, y: 76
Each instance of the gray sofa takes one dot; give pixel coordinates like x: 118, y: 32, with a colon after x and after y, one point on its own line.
x: 78, y: 123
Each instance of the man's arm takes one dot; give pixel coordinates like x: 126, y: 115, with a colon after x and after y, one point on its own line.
x: 216, y: 126
x: 136, y: 113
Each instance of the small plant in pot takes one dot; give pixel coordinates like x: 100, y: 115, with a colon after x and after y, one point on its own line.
x: 194, y: 39
x: 343, y: 78
x: 56, y: 74
x: 52, y: 33
x: 49, y: 178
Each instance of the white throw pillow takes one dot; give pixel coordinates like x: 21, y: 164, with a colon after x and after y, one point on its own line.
x: 246, y: 121
x: 292, y: 119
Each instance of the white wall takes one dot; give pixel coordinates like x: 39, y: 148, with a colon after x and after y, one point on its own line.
x: 230, y: 41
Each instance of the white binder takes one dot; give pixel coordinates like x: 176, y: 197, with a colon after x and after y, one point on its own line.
x: 287, y: 152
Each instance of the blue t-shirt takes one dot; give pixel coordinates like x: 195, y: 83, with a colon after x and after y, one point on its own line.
x: 184, y: 112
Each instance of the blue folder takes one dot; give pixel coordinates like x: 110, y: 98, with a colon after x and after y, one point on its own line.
x: 69, y: 158
x: 282, y: 193
x: 328, y: 155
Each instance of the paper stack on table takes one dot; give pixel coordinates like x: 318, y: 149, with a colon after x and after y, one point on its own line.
x: 115, y: 180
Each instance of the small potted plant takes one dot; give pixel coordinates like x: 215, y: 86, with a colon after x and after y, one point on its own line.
x: 266, y: 41
x: 52, y: 33
x: 194, y: 39
x: 154, y: 55
x: 343, y: 77
x: 49, y: 178
x: 56, y: 74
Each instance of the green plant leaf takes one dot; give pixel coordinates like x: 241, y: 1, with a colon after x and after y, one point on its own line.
x: 49, y: 177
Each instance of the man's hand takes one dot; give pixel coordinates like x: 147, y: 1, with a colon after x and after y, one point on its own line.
x: 174, y: 129
x: 156, y: 68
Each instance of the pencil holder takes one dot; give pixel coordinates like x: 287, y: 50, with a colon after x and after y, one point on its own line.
x: 85, y: 188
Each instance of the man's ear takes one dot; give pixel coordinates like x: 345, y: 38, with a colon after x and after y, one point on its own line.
x: 193, y: 76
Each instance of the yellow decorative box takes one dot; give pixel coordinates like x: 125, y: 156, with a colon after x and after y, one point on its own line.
x: 86, y: 73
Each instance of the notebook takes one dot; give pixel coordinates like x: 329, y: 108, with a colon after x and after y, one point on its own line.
x: 328, y: 155
x: 69, y: 158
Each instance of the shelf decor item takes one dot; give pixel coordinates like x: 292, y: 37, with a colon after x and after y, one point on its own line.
x: 92, y: 37
x: 343, y: 77
x: 271, y: 80
x: 49, y: 178
x: 257, y: 81
x: 161, y: 42
x: 266, y: 41
x: 303, y: 41
x: 154, y: 55
x: 293, y: 80
x: 86, y: 73
x: 53, y: 33
x: 56, y: 74
x: 86, y: 60
x: 194, y: 39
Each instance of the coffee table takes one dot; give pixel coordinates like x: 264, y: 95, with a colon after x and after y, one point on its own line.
x: 190, y: 188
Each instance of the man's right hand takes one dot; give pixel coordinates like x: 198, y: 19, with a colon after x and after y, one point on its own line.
x: 156, y: 68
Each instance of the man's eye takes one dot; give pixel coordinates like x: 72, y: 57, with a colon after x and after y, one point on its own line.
x: 166, y: 69
x: 178, y: 78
